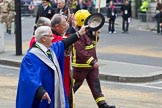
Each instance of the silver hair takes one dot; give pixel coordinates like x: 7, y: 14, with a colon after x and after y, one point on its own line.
x: 57, y: 19
x: 43, y: 21
x: 41, y: 31
x: 63, y: 1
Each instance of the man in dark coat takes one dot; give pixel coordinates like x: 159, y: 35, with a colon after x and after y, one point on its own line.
x: 126, y: 14
x: 81, y: 5
x: 62, y: 8
x: 157, y: 16
x: 44, y: 10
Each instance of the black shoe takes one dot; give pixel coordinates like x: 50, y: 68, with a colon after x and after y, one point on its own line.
x: 6, y: 30
x: 105, y: 105
x: 9, y: 31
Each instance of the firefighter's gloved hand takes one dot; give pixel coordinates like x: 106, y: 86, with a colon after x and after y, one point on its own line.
x: 96, y: 65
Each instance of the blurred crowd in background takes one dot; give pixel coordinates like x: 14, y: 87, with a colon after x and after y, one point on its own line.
x: 31, y: 6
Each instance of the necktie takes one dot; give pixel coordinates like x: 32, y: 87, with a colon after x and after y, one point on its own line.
x: 49, y: 55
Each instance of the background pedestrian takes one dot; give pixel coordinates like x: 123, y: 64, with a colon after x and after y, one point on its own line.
x: 12, y: 13
x: 126, y: 16
x: 44, y: 10
x: 4, y: 11
x: 111, y: 16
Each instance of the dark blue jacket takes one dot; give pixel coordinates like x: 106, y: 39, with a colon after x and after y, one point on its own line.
x: 48, y: 12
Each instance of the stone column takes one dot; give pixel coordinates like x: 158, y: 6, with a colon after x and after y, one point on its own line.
x: 151, y: 11
x: 133, y: 8
x: 2, y: 26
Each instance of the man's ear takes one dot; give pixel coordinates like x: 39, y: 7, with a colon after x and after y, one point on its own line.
x: 43, y: 39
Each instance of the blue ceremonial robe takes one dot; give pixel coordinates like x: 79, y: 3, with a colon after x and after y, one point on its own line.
x: 35, y: 73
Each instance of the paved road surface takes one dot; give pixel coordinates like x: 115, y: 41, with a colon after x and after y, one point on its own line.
x: 123, y: 95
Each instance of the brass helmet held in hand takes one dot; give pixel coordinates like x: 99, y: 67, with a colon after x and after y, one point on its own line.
x: 94, y: 21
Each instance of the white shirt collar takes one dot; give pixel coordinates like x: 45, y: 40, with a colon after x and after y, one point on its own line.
x: 42, y: 47
x: 45, y: 7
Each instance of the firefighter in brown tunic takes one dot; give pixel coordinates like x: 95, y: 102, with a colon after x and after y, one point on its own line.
x: 85, y: 63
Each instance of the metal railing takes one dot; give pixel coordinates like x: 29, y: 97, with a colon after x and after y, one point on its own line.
x: 146, y: 17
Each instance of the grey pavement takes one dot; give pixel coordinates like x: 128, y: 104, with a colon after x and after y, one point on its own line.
x: 109, y: 70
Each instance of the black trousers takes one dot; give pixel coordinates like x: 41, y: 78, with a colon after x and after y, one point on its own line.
x: 125, y: 24
x: 160, y: 30
x: 111, y: 26
x: 158, y: 26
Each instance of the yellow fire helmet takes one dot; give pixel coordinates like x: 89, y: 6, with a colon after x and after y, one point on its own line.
x: 81, y: 16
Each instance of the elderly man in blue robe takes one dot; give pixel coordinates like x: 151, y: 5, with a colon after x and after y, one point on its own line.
x: 40, y: 82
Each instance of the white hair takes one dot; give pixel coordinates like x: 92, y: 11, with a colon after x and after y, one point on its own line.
x: 41, y: 31
x: 63, y: 1
x: 43, y: 21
